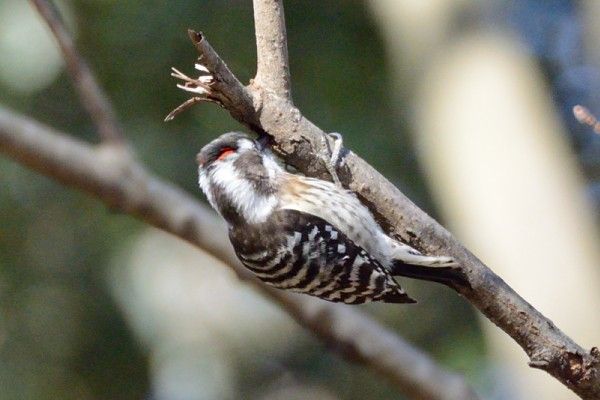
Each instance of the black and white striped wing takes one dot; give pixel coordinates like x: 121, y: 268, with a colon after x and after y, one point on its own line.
x: 304, y: 253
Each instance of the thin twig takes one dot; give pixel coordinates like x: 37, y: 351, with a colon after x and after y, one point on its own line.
x: 273, y: 69
x: 92, y: 96
x: 297, y: 140
x: 123, y: 184
x: 585, y: 116
x: 184, y: 106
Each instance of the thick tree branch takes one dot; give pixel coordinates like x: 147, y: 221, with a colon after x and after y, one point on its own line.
x: 92, y: 97
x: 298, y: 141
x: 273, y: 70
x: 110, y: 174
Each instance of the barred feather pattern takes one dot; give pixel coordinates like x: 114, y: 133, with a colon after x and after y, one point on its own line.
x: 308, y: 235
x: 306, y: 254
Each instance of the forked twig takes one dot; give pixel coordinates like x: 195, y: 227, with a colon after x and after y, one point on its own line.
x: 200, y: 86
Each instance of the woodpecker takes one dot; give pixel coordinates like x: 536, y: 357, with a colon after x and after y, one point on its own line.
x: 307, y: 235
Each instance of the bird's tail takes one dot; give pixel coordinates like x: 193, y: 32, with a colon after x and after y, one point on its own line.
x: 442, y: 273
x: 411, y: 263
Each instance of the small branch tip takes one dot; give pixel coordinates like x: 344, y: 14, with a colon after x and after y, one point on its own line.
x: 196, y: 37
x: 201, y: 67
x: 585, y: 117
x: 538, y: 364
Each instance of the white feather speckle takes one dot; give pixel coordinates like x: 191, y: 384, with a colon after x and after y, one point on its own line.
x: 313, y: 234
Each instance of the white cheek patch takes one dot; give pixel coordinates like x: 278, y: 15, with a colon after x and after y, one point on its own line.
x: 205, y: 186
x: 254, y: 207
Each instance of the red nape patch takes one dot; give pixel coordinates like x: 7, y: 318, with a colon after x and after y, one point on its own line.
x: 227, y: 151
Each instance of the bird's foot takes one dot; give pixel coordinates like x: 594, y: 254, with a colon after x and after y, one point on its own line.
x: 333, y: 154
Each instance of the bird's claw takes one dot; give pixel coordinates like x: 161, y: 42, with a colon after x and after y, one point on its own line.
x: 333, y: 156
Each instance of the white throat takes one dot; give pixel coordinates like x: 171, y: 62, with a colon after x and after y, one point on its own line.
x: 252, y: 206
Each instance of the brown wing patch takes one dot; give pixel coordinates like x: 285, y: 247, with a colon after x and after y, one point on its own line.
x: 295, y: 186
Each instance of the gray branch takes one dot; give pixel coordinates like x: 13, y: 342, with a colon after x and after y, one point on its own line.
x: 110, y: 174
x: 297, y: 140
x: 92, y: 96
x: 273, y: 70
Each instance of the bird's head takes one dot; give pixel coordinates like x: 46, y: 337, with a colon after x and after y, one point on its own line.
x: 239, y: 176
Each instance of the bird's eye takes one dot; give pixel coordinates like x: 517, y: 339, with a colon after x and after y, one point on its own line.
x: 225, y: 152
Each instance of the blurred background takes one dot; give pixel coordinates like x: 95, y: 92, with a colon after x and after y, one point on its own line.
x: 464, y: 104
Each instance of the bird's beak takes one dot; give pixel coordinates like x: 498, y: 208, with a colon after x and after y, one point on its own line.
x: 262, y: 142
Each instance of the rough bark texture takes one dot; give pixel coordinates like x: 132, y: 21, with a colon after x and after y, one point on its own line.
x: 273, y: 71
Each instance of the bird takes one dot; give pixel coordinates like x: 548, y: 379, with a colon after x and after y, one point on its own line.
x: 308, y: 235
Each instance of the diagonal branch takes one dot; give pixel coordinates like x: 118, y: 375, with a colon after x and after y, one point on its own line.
x: 273, y: 69
x: 298, y: 140
x: 92, y: 96
x: 124, y: 185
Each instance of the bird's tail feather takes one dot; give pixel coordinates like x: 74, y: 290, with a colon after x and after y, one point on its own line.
x: 447, y: 275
